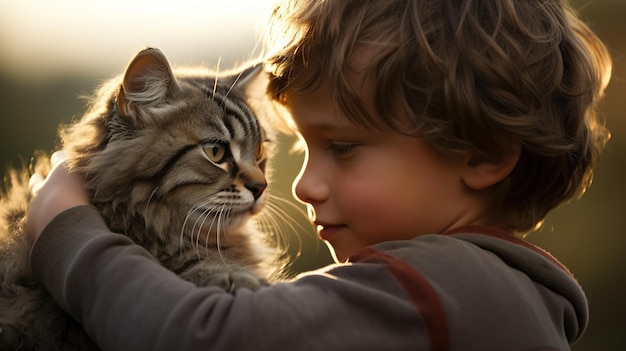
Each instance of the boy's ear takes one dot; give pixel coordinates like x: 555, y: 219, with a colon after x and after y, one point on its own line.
x: 480, y: 173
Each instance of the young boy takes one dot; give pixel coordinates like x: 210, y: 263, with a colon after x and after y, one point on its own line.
x: 437, y: 133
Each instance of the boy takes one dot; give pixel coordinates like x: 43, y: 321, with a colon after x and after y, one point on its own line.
x: 437, y: 132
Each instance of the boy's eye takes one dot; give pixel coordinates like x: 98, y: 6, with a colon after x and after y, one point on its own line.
x: 215, y: 150
x: 341, y: 149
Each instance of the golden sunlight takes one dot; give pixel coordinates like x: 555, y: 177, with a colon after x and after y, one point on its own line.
x: 40, y: 37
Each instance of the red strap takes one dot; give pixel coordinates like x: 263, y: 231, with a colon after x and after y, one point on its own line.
x: 422, y: 294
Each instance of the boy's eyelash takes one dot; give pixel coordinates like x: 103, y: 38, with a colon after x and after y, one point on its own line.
x: 341, y: 148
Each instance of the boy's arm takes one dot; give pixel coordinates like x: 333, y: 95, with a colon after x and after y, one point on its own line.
x: 81, y: 272
x: 126, y: 300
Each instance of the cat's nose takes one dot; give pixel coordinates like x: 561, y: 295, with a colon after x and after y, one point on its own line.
x: 256, y: 188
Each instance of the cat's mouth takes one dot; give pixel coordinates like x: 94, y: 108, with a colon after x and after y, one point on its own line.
x: 258, y: 205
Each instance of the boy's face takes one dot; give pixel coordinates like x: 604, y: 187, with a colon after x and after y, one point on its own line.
x: 367, y: 186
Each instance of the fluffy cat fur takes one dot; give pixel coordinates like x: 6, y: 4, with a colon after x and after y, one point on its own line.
x: 174, y: 161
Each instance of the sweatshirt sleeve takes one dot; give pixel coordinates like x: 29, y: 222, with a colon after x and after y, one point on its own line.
x: 127, y: 301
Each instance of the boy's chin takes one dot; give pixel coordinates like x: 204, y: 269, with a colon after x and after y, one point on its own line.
x: 337, y: 255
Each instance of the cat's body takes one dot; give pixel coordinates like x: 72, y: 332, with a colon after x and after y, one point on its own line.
x: 177, y: 164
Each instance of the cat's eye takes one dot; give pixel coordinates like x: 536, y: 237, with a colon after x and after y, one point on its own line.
x: 259, y: 152
x: 216, y: 150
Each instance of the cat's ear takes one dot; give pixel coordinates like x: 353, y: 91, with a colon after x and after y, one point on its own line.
x: 147, y: 81
x: 252, y: 82
x: 249, y: 75
x: 243, y: 78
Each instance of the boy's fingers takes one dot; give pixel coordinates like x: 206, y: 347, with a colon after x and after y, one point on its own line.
x: 58, y: 157
x: 35, y: 182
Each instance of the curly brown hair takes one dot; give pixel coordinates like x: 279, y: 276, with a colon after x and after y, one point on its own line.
x: 472, y: 75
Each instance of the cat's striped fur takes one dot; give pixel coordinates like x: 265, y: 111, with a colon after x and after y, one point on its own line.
x: 177, y: 163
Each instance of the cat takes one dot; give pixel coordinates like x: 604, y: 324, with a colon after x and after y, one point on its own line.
x: 174, y: 159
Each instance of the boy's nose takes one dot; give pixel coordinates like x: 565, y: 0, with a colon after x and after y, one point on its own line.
x: 309, y: 186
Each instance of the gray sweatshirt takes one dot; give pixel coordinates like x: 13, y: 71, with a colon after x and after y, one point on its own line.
x: 472, y: 289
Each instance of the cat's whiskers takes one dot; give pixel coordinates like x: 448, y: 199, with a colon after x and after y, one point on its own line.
x: 147, y: 207
x: 221, y: 214
x: 182, y: 228
x: 202, y: 217
x: 277, y: 220
x: 206, y: 214
x: 217, y: 68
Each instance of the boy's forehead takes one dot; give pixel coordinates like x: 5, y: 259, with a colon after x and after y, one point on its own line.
x: 316, y: 108
x: 338, y: 88
x: 354, y: 69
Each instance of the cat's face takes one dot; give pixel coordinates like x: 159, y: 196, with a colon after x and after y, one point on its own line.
x: 205, y: 159
x: 182, y: 155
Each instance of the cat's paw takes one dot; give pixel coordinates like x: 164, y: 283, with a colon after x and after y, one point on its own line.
x: 228, y: 277
x: 233, y: 281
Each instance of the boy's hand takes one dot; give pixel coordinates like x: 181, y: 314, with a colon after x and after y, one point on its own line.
x: 59, y: 191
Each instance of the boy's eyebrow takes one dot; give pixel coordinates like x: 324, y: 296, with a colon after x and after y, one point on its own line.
x: 328, y: 126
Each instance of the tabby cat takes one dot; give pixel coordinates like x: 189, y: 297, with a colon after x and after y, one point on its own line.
x: 175, y: 161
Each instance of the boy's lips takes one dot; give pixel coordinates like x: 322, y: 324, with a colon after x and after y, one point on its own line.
x: 327, y: 230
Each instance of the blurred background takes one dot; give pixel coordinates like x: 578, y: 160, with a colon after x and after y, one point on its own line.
x: 53, y: 51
